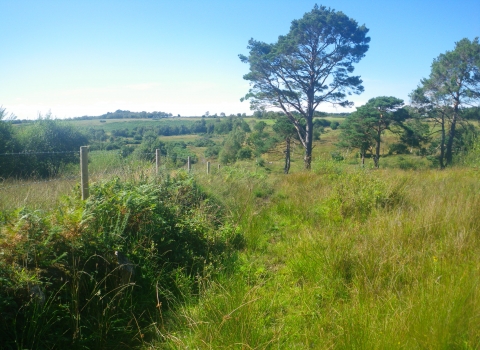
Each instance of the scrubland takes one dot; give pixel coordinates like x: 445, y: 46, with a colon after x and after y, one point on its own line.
x: 337, y: 257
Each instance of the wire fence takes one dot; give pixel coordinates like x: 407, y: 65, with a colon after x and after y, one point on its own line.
x: 34, y: 190
x: 100, y: 165
x: 66, y: 172
x: 36, y: 153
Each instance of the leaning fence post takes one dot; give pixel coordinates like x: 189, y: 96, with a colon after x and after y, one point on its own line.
x: 188, y: 163
x: 157, y: 160
x: 208, y: 167
x: 84, y: 171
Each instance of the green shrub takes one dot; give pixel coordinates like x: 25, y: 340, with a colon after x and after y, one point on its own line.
x: 150, y: 143
x: 398, y: 148
x: 212, y: 151
x: 54, y: 143
x: 406, y: 164
x: 96, y: 274
x: 337, y: 156
x: 178, y: 153
x: 244, y: 153
x: 203, y: 142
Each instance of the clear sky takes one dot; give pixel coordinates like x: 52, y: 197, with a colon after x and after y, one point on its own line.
x: 89, y: 57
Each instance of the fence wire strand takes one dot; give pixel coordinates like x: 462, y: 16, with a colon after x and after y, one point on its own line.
x: 30, y: 153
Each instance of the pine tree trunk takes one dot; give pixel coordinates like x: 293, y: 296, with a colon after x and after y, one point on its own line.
x: 308, y: 144
x: 442, y: 145
x: 451, y: 136
x: 376, y: 158
x: 287, y: 156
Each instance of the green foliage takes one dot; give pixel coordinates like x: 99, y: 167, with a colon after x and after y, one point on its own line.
x: 260, y: 142
x: 264, y: 114
x: 8, y: 144
x: 356, y: 132
x: 199, y: 127
x: 334, y: 125
x: 178, y: 153
x: 398, y: 148
x: 337, y: 156
x: 465, y: 139
x: 373, y: 118
x: 244, y: 153
x: 415, y: 133
x: 127, y: 150
x: 471, y: 113
x: 100, y: 272
x: 232, y: 144
x: 203, y: 142
x: 150, y: 143
x: 212, y: 151
x: 321, y: 122
x: 284, y: 128
x: 244, y: 126
x: 48, y: 136
x: 453, y: 85
x: 472, y: 156
x: 317, y: 273
x: 223, y: 126
x: 260, y: 126
x: 96, y: 134
x: 119, y: 114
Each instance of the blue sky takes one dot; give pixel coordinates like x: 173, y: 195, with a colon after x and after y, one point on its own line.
x: 87, y: 57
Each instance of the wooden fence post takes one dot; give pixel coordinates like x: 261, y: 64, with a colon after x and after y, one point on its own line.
x: 208, y: 168
x: 188, y: 164
x: 157, y: 160
x: 84, y: 171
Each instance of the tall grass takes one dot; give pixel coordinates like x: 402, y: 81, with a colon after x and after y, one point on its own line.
x: 339, y: 257
x: 347, y: 258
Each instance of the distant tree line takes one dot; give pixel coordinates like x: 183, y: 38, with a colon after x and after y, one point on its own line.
x: 119, y: 114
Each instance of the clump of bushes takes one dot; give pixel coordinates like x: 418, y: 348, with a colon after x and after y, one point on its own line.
x: 47, y: 146
x: 334, y: 125
x: 203, y: 142
x: 99, y: 273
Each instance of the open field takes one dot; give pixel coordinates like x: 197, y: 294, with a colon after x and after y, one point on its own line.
x: 114, y: 124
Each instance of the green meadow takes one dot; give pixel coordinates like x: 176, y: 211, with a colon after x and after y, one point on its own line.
x: 245, y: 257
